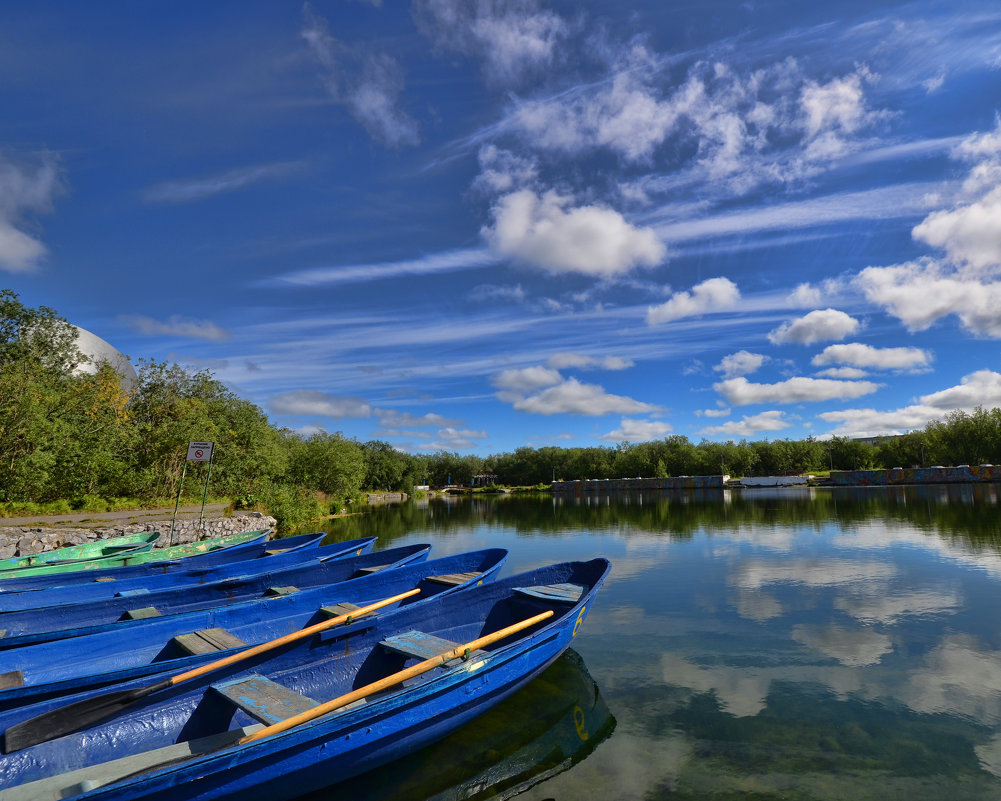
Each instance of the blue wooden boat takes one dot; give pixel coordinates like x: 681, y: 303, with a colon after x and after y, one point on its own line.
x: 542, y: 730
x: 287, y: 721
x: 181, y: 642
x: 258, y: 559
x: 74, y: 620
x: 251, y: 550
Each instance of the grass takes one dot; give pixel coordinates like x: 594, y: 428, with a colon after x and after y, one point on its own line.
x: 94, y: 503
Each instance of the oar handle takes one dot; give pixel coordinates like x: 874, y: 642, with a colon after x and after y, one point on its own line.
x: 296, y: 635
x: 394, y: 679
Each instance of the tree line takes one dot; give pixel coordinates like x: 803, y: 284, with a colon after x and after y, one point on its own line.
x: 71, y: 436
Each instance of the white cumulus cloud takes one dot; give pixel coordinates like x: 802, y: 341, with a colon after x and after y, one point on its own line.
x: 859, y: 355
x: 740, y: 363
x: 24, y: 190
x: 741, y: 392
x: 980, y: 388
x: 630, y: 430
x: 313, y: 403
x: 712, y: 295
x: 817, y: 326
x: 518, y: 382
x: 573, y: 397
x: 920, y: 293
x: 749, y: 425
x: 547, y: 232
x: 968, y: 234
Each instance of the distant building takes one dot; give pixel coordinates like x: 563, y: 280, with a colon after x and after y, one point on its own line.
x: 100, y: 352
x: 484, y: 480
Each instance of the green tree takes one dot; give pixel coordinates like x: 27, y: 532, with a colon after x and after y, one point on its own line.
x: 329, y: 463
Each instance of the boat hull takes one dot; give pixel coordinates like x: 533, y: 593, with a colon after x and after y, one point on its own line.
x: 196, y: 572
x: 338, y: 745
x: 51, y: 669
x: 28, y: 626
x: 201, y: 562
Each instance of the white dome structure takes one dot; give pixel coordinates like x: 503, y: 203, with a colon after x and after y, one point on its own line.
x: 99, y: 352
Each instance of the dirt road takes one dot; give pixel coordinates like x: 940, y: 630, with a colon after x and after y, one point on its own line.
x: 100, y: 519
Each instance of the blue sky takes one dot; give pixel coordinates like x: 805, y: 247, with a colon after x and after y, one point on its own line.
x: 476, y: 225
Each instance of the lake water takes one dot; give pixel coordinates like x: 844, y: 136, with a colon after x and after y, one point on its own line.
x: 755, y: 644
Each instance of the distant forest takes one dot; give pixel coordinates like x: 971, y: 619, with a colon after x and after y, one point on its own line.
x: 72, y: 436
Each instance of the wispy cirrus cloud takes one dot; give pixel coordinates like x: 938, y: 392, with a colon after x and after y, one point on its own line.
x: 369, y: 85
x: 559, y: 361
x: 186, y: 191
x: 176, y: 326
x: 433, y: 264
x: 512, y: 38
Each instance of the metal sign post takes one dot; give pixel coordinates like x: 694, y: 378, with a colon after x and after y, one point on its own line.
x: 197, y: 452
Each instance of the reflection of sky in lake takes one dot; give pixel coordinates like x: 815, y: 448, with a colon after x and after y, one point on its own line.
x: 793, y: 653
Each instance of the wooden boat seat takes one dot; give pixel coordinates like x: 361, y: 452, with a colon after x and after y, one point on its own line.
x: 279, y: 592
x: 336, y: 610
x: 454, y: 579
x: 83, y: 780
x: 563, y: 593
x: 12, y: 678
x: 419, y: 645
x: 205, y: 641
x: 140, y: 614
x: 263, y: 699
x: 367, y: 571
x: 132, y: 593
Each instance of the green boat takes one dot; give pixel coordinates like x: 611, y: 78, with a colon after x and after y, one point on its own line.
x: 87, y: 551
x: 141, y: 553
x: 191, y: 548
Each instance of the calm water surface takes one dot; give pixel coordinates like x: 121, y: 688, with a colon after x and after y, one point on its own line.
x: 780, y: 644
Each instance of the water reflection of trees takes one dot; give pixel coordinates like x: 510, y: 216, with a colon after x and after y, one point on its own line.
x: 968, y: 514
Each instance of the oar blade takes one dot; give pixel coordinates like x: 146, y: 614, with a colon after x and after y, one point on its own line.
x: 72, y: 717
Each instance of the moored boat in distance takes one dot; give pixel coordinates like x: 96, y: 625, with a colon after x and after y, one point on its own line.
x: 335, y: 705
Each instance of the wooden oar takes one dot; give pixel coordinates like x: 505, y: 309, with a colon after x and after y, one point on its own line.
x: 82, y: 714
x: 394, y: 679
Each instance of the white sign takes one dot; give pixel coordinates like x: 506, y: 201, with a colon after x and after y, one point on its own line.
x: 200, y: 451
